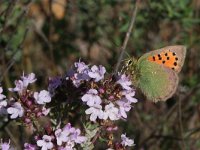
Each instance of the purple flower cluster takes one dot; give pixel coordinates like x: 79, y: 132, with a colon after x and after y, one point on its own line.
x: 107, y: 99
x: 62, y: 139
x: 27, y: 105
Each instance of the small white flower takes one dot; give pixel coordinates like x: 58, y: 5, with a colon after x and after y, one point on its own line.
x: 97, y: 73
x: 42, y: 97
x: 61, y: 136
x: 91, y: 97
x: 28, y: 146
x: 69, y: 145
x: 77, y: 138
x: 95, y: 112
x: 126, y: 141
x: 124, y: 107
x: 45, y: 111
x: 125, y: 82
x: 45, y: 143
x: 30, y: 78
x: 1, y: 95
x: 3, y: 104
x: 111, y: 112
x: 81, y: 66
x: 129, y: 95
x: 5, y: 145
x: 16, y: 110
x: 19, y: 87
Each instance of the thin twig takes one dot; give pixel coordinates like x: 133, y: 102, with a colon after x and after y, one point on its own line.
x: 122, y: 49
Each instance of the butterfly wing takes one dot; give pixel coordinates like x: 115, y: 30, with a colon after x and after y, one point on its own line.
x: 171, y: 57
x: 157, y: 82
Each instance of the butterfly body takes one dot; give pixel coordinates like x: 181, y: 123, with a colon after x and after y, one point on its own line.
x: 155, y: 73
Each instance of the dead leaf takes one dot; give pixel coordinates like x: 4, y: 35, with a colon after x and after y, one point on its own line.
x: 58, y: 8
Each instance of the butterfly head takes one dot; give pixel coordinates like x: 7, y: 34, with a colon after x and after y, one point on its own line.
x: 129, y: 66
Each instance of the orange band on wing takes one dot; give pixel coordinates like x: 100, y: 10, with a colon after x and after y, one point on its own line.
x: 168, y: 59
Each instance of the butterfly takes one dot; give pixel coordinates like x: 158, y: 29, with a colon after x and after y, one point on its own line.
x: 156, y: 72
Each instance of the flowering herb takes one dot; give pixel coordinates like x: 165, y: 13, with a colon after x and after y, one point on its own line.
x: 86, y: 96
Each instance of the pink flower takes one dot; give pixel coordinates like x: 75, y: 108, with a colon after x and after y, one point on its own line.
x: 1, y: 95
x: 111, y: 112
x: 16, y: 110
x: 129, y: 95
x: 30, y: 78
x: 3, y: 104
x: 125, y: 82
x: 28, y: 146
x: 45, y: 143
x: 68, y: 137
x: 21, y: 85
x: 4, y: 146
x: 45, y: 111
x: 42, y: 97
x: 91, y: 97
x: 68, y: 146
x: 123, y: 107
x: 61, y: 136
x: 81, y: 67
x: 77, y: 138
x: 126, y: 141
x: 95, y: 112
x: 97, y: 73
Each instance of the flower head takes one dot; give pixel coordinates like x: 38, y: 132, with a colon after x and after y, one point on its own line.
x: 69, y: 136
x: 45, y: 143
x: 129, y: 95
x: 21, y: 85
x: 16, y: 110
x: 91, y: 97
x: 45, y: 111
x: 81, y: 67
x: 95, y: 112
x: 28, y: 146
x: 77, y: 138
x: 97, y: 73
x: 3, y: 104
x: 30, y: 78
x: 42, y: 97
x: 124, y: 106
x: 4, y: 145
x: 111, y: 112
x: 126, y: 141
x: 61, y: 136
x: 125, y: 82
x: 1, y: 95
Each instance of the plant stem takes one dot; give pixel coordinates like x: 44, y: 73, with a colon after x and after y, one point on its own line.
x: 128, y: 33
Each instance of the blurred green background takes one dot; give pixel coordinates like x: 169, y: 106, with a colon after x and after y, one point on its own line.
x: 47, y: 36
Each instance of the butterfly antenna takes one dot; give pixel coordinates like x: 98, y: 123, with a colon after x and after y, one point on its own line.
x: 127, y: 54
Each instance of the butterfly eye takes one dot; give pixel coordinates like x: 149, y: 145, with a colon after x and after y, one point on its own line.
x: 129, y: 62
